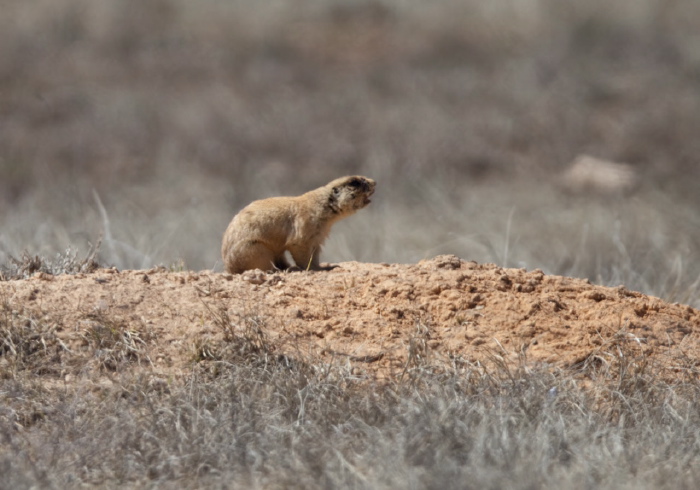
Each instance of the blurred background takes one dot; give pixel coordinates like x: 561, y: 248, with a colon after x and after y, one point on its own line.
x: 152, y: 122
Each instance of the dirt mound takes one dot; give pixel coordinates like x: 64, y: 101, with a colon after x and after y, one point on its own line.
x: 376, y: 319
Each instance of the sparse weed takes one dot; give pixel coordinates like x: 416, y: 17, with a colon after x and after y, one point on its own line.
x: 418, y: 351
x: 111, y: 344
x: 244, y: 338
x: 27, y: 343
x: 178, y: 266
x: 64, y: 263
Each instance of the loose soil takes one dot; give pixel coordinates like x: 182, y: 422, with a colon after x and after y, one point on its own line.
x: 375, y: 319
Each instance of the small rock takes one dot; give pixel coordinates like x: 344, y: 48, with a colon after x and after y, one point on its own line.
x: 595, y: 176
x: 254, y: 277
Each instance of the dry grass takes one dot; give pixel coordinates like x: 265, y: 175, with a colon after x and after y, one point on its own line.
x: 27, y: 343
x: 112, y: 344
x: 245, y: 417
x: 275, y: 425
x: 30, y: 344
x: 63, y: 263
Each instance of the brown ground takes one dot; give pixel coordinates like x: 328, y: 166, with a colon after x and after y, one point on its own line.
x: 372, y: 318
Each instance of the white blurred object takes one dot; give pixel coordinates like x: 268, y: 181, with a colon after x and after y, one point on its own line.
x: 588, y: 174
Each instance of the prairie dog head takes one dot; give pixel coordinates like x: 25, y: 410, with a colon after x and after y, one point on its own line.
x: 350, y: 194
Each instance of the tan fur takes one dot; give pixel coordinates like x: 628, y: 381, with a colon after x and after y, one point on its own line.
x: 260, y: 233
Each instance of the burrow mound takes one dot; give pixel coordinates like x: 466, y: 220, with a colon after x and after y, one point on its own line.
x: 377, y: 319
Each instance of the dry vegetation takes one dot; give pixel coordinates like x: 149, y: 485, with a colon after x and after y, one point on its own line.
x: 150, y: 123
x: 251, y: 418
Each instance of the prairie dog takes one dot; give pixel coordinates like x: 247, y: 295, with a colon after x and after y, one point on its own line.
x: 260, y: 233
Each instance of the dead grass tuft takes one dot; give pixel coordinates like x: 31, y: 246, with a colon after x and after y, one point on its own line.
x: 28, y: 343
x: 63, y: 263
x: 243, y: 339
x: 112, y: 344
